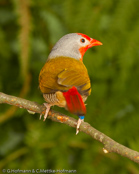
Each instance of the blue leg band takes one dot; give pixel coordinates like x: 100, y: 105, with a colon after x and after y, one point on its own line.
x: 81, y: 117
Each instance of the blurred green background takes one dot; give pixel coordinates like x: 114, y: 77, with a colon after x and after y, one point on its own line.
x: 28, y: 31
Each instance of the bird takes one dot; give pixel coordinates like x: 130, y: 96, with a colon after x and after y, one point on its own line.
x: 64, y: 79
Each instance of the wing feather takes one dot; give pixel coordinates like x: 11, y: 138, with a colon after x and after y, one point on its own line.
x: 60, y: 74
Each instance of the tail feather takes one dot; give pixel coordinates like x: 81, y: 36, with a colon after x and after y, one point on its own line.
x: 75, y: 102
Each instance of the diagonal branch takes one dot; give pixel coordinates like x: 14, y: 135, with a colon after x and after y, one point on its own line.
x: 109, y: 144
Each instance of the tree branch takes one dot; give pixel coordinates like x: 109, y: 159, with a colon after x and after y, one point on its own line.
x: 109, y: 144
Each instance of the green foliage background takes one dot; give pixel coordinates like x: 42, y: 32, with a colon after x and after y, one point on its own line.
x: 28, y: 30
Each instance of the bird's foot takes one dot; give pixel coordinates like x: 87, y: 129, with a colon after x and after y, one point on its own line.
x: 48, y: 106
x: 80, y: 120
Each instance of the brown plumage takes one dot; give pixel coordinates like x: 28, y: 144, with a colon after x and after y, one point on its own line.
x: 64, y: 77
x: 69, y: 72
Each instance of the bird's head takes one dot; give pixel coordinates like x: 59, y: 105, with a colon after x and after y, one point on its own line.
x: 73, y: 45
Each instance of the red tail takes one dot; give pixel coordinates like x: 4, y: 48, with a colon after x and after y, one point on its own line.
x: 75, y: 102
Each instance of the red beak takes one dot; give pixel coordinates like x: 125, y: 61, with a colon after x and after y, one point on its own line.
x: 94, y: 42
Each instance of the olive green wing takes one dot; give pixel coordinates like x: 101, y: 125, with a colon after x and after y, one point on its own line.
x: 70, y: 78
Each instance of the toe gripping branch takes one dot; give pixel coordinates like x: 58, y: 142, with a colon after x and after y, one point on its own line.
x: 80, y: 120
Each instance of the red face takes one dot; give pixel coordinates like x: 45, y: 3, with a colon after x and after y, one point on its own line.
x: 90, y: 43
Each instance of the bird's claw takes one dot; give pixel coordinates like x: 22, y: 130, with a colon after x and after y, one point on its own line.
x: 77, y: 131
x: 48, y: 106
x: 78, y: 125
x: 40, y: 116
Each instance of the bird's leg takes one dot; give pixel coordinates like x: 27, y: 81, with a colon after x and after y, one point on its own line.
x: 48, y: 106
x: 80, y: 120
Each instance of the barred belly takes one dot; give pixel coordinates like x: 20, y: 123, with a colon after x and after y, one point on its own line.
x: 58, y: 99
x: 55, y: 99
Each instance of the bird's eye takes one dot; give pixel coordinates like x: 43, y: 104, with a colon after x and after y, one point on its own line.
x: 82, y: 40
